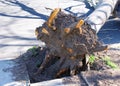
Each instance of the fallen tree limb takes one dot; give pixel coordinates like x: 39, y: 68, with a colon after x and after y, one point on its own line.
x: 97, y: 19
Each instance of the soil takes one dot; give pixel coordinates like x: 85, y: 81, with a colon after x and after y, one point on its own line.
x: 33, y: 61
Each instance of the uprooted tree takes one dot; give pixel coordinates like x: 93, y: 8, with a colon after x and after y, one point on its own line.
x: 68, y: 39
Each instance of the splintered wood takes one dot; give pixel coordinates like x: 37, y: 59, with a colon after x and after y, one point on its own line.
x: 68, y: 38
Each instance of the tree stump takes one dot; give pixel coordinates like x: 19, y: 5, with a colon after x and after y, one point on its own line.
x: 68, y: 40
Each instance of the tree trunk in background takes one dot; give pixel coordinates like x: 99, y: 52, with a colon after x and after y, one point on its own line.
x: 101, y: 14
x: 116, y: 12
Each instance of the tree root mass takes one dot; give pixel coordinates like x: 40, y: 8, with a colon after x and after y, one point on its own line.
x: 68, y: 39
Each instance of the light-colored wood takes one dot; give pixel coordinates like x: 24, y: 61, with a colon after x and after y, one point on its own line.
x: 79, y: 24
x: 52, y: 16
x: 45, y: 31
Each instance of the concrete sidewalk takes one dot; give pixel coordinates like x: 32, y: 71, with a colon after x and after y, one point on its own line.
x: 17, y: 33
x: 18, y: 21
x: 13, y: 72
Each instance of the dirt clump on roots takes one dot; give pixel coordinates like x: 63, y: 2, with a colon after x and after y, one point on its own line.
x: 68, y: 39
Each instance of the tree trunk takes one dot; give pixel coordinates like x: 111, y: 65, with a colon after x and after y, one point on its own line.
x: 116, y: 12
x: 101, y: 14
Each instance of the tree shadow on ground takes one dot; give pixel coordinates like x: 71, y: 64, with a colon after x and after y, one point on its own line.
x: 110, y: 32
x: 23, y: 8
x: 15, y: 36
x: 104, y: 77
x: 15, y: 70
x: 80, y: 12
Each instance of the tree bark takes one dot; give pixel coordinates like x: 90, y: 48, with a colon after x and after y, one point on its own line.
x: 101, y: 14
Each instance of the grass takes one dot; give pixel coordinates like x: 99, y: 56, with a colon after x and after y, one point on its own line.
x: 107, y: 61
x: 33, y: 50
x: 92, y: 59
x: 110, y: 63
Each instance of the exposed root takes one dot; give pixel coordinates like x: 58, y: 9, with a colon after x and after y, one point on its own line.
x: 68, y: 39
x: 52, y: 17
x: 79, y: 24
x: 61, y: 66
